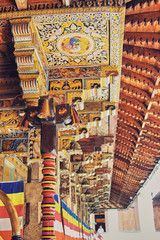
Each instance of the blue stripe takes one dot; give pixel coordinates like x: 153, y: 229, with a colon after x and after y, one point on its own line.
x: 64, y: 206
x: 69, y: 211
x: 56, y: 198
x: 12, y: 187
x: 74, y: 215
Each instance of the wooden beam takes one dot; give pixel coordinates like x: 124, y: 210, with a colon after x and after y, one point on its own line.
x: 21, y: 4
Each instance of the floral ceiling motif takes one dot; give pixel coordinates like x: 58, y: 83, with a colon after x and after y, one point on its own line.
x: 75, y: 39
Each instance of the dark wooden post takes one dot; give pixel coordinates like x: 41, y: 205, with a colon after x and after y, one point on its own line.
x: 48, y: 150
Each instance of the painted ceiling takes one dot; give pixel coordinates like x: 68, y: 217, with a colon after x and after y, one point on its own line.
x: 75, y: 58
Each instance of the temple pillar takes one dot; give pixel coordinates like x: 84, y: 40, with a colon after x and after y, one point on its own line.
x: 48, y: 150
x: 48, y: 192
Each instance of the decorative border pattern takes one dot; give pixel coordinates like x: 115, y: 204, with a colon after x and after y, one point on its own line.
x: 61, y: 11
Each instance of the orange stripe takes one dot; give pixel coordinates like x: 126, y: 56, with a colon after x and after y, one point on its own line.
x: 59, y: 236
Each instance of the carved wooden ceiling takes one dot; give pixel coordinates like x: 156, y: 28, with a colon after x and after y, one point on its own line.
x: 136, y: 149
x: 137, y: 139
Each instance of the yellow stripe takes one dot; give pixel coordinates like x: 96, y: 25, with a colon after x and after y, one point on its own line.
x: 57, y: 207
x: 49, y: 182
x: 65, y: 214
x: 50, y: 190
x: 16, y: 198
x: 48, y: 228
x: 77, y: 224
x: 48, y: 237
x: 48, y: 204
x: 70, y: 218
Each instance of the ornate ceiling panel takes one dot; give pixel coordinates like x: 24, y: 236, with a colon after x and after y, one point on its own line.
x: 74, y: 40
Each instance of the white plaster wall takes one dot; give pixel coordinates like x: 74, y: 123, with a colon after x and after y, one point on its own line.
x: 147, y: 230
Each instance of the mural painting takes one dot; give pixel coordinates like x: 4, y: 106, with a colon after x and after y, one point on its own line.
x: 12, y: 168
x: 70, y: 73
x: 34, y: 144
x: 17, y: 145
x: 65, y: 85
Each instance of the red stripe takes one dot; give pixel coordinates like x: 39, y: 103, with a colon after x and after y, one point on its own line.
x: 66, y: 223
x: 19, y: 28
x: 7, y: 235
x: 24, y: 28
x: 4, y: 213
x: 58, y: 216
x: 48, y: 155
x: 76, y: 228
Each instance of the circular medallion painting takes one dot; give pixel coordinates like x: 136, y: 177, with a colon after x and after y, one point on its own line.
x: 75, y: 44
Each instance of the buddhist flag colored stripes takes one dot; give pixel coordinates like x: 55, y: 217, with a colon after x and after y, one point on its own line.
x: 80, y: 229
x: 85, y: 231
x: 15, y: 191
x: 58, y: 227
x: 68, y: 226
x: 75, y: 226
x: 71, y: 224
x: 65, y: 221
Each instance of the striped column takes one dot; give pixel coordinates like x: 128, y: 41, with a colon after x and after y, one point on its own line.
x: 48, y: 192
